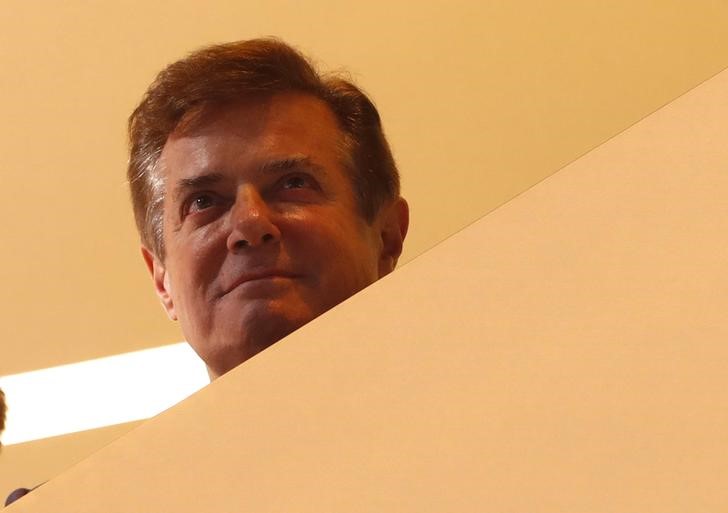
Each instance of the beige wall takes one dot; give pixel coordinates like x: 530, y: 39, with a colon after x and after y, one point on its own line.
x: 480, y: 101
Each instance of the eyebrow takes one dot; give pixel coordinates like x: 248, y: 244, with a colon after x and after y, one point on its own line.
x: 197, y: 182
x: 292, y: 162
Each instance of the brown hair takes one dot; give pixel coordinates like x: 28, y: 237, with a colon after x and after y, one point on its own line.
x: 225, y: 73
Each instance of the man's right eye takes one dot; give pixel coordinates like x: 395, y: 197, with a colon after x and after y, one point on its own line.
x: 199, y: 202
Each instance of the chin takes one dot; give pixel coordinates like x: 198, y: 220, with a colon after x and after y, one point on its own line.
x: 258, y: 325
x: 262, y: 331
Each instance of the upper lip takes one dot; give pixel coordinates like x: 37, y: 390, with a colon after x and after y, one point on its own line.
x: 258, y: 275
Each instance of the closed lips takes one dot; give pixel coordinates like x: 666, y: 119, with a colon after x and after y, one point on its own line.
x: 264, y: 275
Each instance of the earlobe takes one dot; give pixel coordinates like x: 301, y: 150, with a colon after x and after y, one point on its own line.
x: 394, y: 225
x: 160, y: 277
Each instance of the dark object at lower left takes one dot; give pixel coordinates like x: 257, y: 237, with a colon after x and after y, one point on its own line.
x: 17, y: 494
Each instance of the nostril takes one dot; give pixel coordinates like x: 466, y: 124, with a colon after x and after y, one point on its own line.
x: 240, y: 244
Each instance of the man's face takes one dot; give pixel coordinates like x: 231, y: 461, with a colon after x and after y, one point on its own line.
x: 261, y: 227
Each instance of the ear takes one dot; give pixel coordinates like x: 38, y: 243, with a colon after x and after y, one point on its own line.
x: 394, y: 221
x: 161, y: 281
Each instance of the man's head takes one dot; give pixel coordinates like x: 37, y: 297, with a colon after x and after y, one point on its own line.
x: 264, y: 193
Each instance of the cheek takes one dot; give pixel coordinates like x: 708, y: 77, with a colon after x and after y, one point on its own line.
x: 321, y: 240
x: 193, y: 274
x: 200, y: 252
x: 344, y: 254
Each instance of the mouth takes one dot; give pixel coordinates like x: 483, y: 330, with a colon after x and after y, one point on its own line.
x: 259, y: 277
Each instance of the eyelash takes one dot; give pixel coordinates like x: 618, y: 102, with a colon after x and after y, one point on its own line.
x: 188, y: 207
x: 308, y: 182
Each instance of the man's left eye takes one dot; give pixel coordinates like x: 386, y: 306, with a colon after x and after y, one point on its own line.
x: 296, y: 182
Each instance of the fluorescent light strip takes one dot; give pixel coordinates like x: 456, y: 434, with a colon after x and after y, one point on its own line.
x: 101, y: 392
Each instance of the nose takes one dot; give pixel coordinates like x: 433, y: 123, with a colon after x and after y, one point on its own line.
x: 251, y: 222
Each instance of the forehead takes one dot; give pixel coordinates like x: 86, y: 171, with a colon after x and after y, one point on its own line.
x: 285, y: 122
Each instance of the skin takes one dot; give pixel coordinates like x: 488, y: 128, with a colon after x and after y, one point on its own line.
x: 261, y: 227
